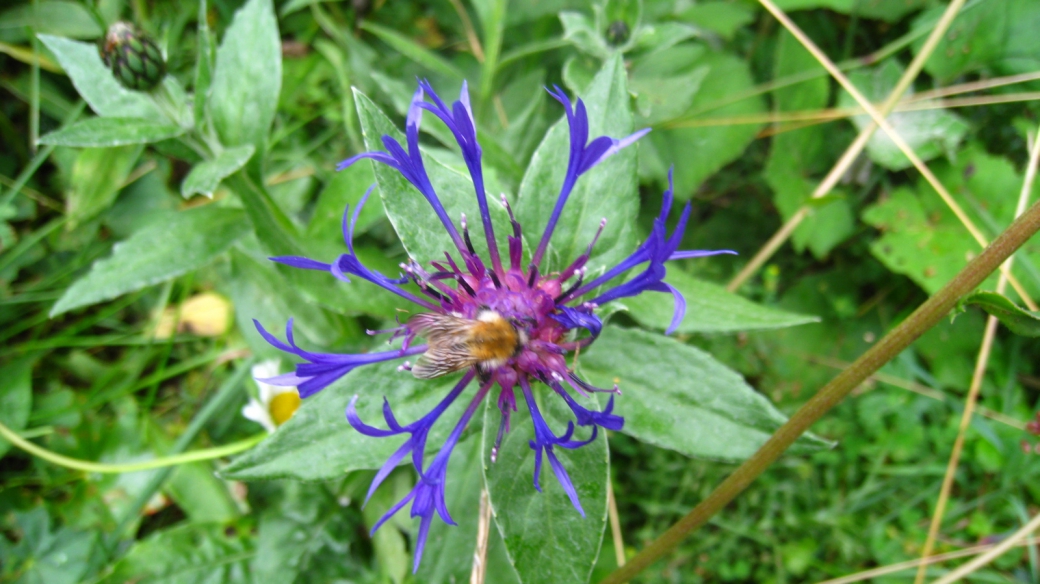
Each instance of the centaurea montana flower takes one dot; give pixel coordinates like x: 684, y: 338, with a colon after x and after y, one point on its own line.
x: 545, y: 315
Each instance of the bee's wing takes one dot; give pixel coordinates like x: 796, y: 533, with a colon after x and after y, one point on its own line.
x: 448, y: 337
x: 442, y: 359
x: 442, y: 329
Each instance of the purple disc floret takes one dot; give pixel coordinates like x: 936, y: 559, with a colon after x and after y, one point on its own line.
x: 552, y: 313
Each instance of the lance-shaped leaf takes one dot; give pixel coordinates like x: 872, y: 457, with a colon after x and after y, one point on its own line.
x: 206, y: 176
x: 111, y: 132
x: 1017, y: 319
x: 546, y: 539
x: 248, y: 76
x: 95, y: 82
x: 709, y: 309
x: 317, y: 443
x: 414, y: 221
x: 186, y: 241
x: 679, y: 397
x: 608, y: 191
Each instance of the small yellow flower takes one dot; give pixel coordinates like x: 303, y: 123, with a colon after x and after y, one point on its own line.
x: 276, y: 404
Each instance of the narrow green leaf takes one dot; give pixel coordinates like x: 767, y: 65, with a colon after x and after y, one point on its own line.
x: 340, y: 195
x: 546, y: 538
x: 724, y: 18
x: 203, y: 67
x: 111, y: 132
x: 260, y: 291
x: 60, y: 17
x: 492, y: 15
x: 678, y: 397
x: 317, y: 443
x: 95, y: 82
x: 186, y: 241
x: 202, y: 496
x: 421, y: 232
x: 206, y: 176
x: 532, y: 48
x: 187, y: 554
x: 413, y: 50
x: 248, y: 76
x: 448, y: 558
x: 709, y: 309
x: 608, y: 191
x: 388, y: 542
x: 97, y: 175
x: 1017, y: 319
x: 15, y: 397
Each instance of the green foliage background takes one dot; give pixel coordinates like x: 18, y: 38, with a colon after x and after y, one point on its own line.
x: 118, y: 207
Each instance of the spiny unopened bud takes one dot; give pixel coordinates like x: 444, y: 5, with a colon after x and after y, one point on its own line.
x: 136, y: 62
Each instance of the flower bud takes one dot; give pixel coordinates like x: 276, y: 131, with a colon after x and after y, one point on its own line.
x: 134, y: 59
x: 617, y: 33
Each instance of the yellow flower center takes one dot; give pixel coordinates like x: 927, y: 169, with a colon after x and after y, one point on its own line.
x: 283, y: 406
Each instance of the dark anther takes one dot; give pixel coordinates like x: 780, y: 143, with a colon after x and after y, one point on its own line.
x: 575, y: 286
x: 494, y: 278
x: 465, y: 285
x: 465, y: 236
x: 426, y: 289
x: 512, y: 219
x: 532, y: 277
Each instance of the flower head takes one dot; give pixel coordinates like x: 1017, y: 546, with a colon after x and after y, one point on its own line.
x: 504, y: 325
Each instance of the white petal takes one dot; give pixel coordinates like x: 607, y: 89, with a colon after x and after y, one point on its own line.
x: 256, y: 412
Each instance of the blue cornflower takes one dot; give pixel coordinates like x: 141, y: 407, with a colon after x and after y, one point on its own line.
x: 501, y: 325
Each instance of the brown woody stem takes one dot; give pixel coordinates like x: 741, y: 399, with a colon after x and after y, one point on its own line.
x: 924, y: 318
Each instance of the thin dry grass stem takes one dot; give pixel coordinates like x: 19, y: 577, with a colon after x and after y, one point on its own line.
x: 947, y: 104
x: 796, y: 78
x: 901, y: 566
x: 998, y: 550
x: 919, y: 389
x: 476, y: 576
x: 897, y: 340
x: 857, y: 146
x: 138, y: 172
x: 976, y: 378
x: 615, y: 525
x: 500, y: 110
x: 834, y: 114
x: 880, y: 121
x: 958, y: 444
x: 34, y: 195
x: 977, y: 86
x: 471, y: 33
x: 291, y: 175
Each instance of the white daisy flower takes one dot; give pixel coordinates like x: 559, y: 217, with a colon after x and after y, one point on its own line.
x: 276, y: 404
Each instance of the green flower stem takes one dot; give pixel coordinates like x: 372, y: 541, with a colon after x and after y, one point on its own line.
x: 925, y: 317
x: 218, y: 403
x: 100, y: 467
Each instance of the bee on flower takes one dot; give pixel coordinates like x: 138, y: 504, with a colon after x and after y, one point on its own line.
x: 504, y: 326
x: 276, y: 403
